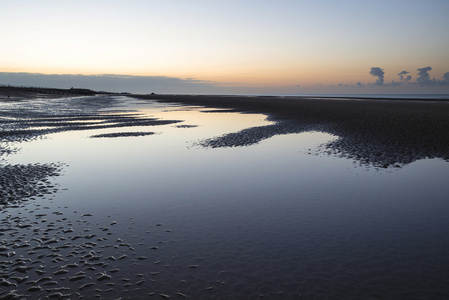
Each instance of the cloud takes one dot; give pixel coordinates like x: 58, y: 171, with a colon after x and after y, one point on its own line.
x: 298, y: 85
x: 111, y: 82
x: 445, y: 80
x: 405, y: 78
x: 379, y: 73
x: 422, y: 84
x: 424, y: 77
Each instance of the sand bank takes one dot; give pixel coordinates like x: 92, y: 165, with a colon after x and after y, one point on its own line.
x: 379, y: 132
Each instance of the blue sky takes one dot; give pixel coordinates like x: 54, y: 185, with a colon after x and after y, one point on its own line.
x: 195, y: 46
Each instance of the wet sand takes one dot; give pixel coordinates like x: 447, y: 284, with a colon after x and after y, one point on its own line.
x: 30, y: 118
x: 64, y: 254
x: 56, y: 252
x: 378, y: 132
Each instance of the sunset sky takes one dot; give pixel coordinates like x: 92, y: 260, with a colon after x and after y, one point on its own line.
x: 232, y: 46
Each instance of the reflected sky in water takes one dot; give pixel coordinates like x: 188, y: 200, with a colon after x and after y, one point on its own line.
x: 266, y: 211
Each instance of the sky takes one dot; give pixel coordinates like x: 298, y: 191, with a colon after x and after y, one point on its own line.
x: 229, y: 47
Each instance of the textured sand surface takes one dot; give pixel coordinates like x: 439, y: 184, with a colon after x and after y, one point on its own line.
x: 379, y: 132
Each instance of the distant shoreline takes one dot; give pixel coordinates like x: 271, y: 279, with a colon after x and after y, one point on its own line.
x: 31, y: 92
x: 21, y: 93
x: 280, y: 103
x: 8, y: 93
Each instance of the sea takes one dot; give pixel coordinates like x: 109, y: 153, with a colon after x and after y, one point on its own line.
x: 361, y: 96
x: 164, y: 216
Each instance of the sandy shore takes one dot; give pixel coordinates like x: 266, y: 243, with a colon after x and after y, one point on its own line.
x: 379, y: 132
x: 24, y: 117
x: 60, y: 254
x: 55, y: 252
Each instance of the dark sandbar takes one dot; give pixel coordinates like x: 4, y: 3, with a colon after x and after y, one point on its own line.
x: 121, y: 134
x: 380, y: 132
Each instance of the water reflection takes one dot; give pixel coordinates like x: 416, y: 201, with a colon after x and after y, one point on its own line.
x: 373, y: 132
x: 270, y: 219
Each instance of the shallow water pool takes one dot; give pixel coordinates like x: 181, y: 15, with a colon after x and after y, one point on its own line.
x: 276, y: 219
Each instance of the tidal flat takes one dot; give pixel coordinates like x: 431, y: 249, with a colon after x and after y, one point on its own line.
x: 201, y: 197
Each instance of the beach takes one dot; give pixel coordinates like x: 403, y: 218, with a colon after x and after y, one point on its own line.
x: 382, y: 132
x: 222, y: 197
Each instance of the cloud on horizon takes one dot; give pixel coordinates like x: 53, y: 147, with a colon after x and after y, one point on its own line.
x: 422, y: 79
x: 379, y: 73
x: 173, y: 85
x: 424, y: 76
x: 110, y: 82
x: 405, y: 78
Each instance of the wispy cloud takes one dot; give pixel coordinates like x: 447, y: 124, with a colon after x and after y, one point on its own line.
x: 403, y: 77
